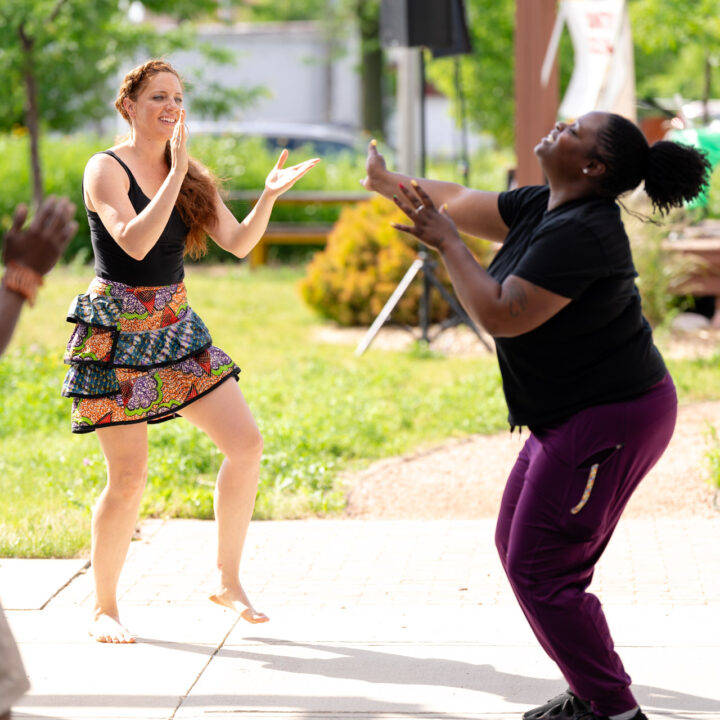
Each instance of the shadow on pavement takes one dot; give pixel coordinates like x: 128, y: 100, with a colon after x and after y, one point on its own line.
x: 373, y: 666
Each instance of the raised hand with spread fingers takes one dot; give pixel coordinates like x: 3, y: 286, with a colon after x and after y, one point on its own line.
x: 432, y: 226
x: 281, y: 179
x: 240, y: 238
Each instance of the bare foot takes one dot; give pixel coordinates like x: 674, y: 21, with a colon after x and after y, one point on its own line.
x: 237, y: 600
x: 107, y: 629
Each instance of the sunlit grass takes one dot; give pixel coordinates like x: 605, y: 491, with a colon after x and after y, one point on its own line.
x: 321, y: 410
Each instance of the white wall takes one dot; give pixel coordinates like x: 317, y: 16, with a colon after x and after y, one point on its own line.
x: 442, y: 134
x: 290, y: 60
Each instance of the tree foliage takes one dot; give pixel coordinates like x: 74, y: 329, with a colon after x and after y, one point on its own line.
x: 60, y: 58
x: 677, y: 47
x: 77, y: 48
x: 677, y: 51
x: 487, y: 73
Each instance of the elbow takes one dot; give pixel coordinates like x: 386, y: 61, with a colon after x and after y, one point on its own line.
x: 502, y: 330
x: 498, y: 326
x: 489, y: 317
x: 131, y: 249
x: 137, y: 254
x: 492, y: 326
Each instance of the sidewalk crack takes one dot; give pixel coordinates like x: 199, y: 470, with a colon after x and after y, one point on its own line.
x: 80, y: 572
x: 203, y: 669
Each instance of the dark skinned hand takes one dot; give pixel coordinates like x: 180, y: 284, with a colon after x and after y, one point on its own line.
x: 431, y: 226
x: 374, y: 167
x: 42, y: 243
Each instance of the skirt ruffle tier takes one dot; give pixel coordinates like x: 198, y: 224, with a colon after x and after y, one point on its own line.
x: 137, y: 354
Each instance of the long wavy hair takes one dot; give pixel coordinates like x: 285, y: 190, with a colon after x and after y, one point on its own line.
x: 196, y: 200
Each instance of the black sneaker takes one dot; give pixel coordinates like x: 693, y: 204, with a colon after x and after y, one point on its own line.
x: 639, y: 715
x: 566, y: 712
x: 557, y: 702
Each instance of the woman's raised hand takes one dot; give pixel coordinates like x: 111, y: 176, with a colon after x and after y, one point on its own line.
x: 178, y: 146
x: 374, y: 168
x: 281, y: 179
x: 431, y: 226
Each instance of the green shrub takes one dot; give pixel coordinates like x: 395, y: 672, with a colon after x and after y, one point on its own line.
x: 713, y: 206
x: 712, y: 457
x: 661, y: 272
x: 63, y: 163
x: 363, y: 262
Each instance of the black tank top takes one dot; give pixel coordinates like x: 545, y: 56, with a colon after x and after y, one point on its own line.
x: 163, y: 265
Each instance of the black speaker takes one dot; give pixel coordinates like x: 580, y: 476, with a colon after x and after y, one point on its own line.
x: 415, y: 23
x: 460, y: 43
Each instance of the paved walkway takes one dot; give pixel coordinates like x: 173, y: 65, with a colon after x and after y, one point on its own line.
x: 369, y: 619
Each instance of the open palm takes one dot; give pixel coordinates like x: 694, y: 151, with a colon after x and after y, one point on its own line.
x: 281, y: 179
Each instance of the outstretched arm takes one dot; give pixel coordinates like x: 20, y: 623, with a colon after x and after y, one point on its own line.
x: 29, y: 254
x: 474, y: 211
x: 512, y: 308
x: 240, y: 238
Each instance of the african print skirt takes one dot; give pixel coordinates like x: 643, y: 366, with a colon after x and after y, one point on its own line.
x: 137, y: 354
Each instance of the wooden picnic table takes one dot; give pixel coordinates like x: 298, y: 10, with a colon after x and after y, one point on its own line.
x: 701, y: 243
x: 284, y: 233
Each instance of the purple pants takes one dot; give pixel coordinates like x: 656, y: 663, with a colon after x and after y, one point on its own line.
x: 562, y: 502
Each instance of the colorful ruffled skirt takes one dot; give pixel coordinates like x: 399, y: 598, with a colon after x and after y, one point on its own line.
x: 137, y: 354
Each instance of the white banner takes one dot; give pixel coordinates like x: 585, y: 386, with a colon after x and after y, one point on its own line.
x: 603, y: 75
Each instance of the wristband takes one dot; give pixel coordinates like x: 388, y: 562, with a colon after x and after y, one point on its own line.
x: 22, y: 280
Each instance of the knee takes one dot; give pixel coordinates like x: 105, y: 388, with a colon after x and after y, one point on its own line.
x: 522, y: 574
x: 501, y: 543
x: 248, y: 447
x: 127, y: 483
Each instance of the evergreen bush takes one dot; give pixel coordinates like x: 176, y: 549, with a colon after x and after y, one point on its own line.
x: 364, y: 260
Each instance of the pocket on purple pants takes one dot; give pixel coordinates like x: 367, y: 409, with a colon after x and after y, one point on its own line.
x: 591, y: 493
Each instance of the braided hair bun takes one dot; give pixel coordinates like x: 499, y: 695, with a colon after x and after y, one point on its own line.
x: 674, y: 174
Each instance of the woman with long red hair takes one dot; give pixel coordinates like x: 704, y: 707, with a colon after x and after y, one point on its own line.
x: 139, y: 354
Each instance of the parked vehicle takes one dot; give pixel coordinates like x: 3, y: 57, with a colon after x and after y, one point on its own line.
x: 325, y: 139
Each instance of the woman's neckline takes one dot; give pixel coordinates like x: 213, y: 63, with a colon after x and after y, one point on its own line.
x: 132, y: 174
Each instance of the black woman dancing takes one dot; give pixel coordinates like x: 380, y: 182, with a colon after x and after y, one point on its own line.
x: 139, y: 354
x: 579, y: 368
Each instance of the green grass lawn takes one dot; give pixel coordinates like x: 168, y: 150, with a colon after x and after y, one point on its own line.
x: 321, y: 411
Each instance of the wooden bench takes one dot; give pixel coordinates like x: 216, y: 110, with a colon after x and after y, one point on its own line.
x: 285, y: 233
x: 700, y: 243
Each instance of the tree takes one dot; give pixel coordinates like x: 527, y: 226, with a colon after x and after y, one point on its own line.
x: 677, y: 46
x: 59, y: 57
x: 372, y: 62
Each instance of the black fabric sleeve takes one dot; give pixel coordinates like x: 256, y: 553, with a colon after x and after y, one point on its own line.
x: 564, y: 260
x: 512, y: 202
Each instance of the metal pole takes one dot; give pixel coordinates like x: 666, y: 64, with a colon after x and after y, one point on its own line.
x: 389, y: 306
x: 464, y: 150
x: 408, y: 94
x: 424, y: 309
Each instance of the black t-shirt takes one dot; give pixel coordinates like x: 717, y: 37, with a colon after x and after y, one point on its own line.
x: 163, y: 265
x: 599, y: 348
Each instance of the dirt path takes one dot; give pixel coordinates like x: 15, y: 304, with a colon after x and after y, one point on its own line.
x: 465, y: 478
